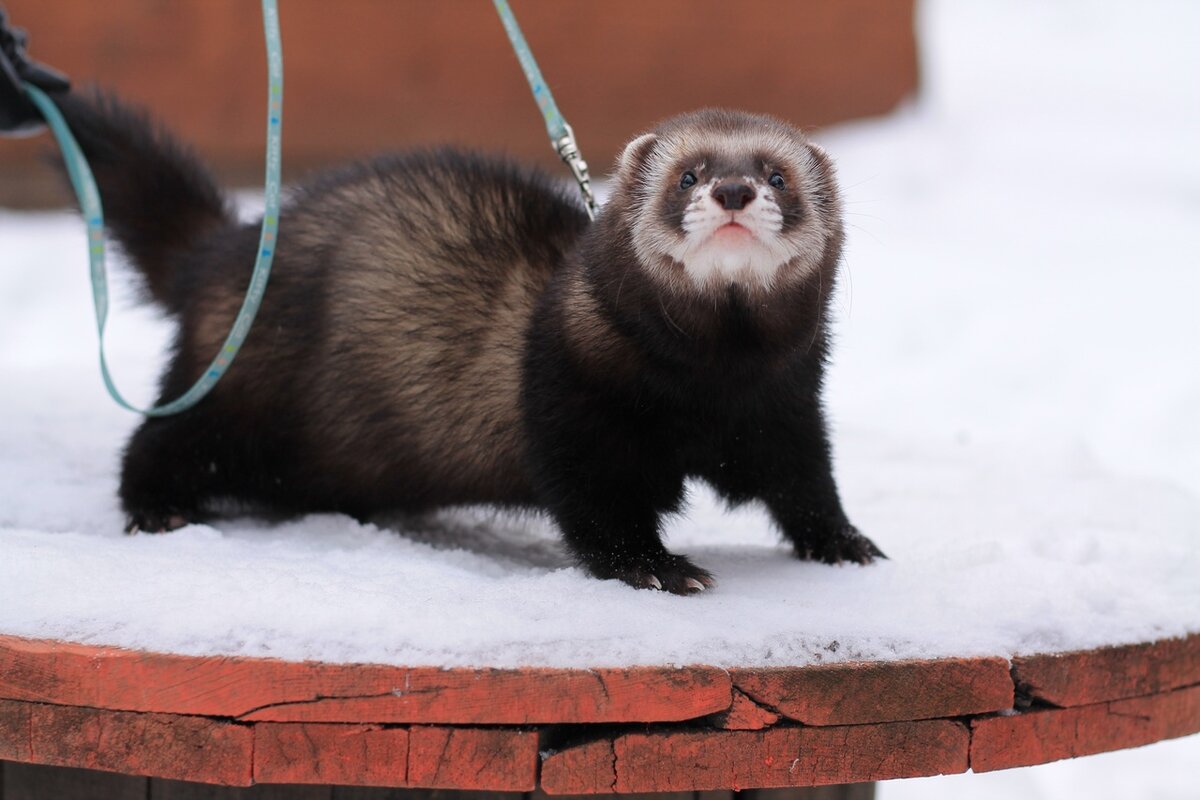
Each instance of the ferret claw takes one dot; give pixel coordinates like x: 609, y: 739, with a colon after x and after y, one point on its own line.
x: 654, y: 582
x: 695, y: 585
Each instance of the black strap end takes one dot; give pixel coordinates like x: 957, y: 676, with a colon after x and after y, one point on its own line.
x: 18, y: 116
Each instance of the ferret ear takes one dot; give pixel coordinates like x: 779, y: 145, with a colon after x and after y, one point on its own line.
x: 822, y: 162
x: 821, y: 181
x: 636, y: 152
x: 820, y: 155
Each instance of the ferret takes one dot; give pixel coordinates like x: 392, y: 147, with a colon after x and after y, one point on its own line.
x: 443, y: 328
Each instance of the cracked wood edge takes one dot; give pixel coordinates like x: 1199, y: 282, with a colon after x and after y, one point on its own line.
x: 486, y: 759
x: 526, y: 696
x: 57, y: 717
x: 1109, y: 673
x: 783, y: 756
x: 886, y: 691
x: 428, y: 757
x: 256, y: 689
x: 1043, y: 735
x: 691, y: 760
x: 744, y: 715
x: 160, y: 745
x: 589, y: 768
x: 325, y: 753
x: 205, y: 750
x: 662, y: 758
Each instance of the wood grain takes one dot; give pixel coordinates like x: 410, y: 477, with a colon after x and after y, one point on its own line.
x: 353, y: 755
x: 1109, y: 673
x: 699, y: 729
x: 588, y: 768
x: 1043, y: 735
x: 846, y: 694
x: 157, y: 745
x: 281, y: 691
x: 744, y: 715
x: 665, y: 761
x: 500, y: 760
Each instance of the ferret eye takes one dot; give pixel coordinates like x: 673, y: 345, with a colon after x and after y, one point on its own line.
x: 777, y: 181
x: 687, y: 181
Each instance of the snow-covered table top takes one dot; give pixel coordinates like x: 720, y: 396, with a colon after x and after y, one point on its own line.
x: 1015, y: 425
x: 1014, y: 395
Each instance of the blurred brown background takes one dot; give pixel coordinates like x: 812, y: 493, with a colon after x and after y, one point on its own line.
x: 367, y: 75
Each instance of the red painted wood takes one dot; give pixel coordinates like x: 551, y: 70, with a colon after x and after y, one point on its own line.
x: 1036, y: 737
x: 450, y: 75
x: 582, y: 769
x: 781, y: 756
x: 733, y: 738
x: 846, y: 694
x: 486, y: 759
x: 745, y: 715
x: 1109, y: 673
x: 527, y: 696
x: 157, y: 745
x: 281, y: 691
x: 14, y: 731
x: 348, y: 755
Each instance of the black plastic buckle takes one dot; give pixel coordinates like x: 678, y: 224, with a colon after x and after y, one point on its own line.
x: 18, y: 116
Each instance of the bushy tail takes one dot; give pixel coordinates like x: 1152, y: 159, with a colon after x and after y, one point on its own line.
x: 157, y: 196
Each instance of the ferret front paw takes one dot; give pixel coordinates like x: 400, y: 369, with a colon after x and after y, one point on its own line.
x: 840, y: 545
x: 146, y: 521
x: 665, y: 573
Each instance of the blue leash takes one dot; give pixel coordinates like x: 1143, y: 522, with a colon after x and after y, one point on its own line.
x: 562, y: 138
x: 89, y: 203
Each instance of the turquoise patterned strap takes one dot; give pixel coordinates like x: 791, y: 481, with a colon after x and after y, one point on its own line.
x: 562, y: 138
x: 89, y: 203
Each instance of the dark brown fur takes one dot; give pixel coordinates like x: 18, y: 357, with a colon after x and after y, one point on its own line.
x: 444, y: 328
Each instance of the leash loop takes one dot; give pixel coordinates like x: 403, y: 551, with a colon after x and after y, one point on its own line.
x: 562, y: 138
x: 89, y: 202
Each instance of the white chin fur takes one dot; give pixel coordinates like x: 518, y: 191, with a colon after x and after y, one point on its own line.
x: 747, y: 262
x: 710, y: 257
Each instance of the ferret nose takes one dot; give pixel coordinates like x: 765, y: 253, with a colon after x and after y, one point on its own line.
x: 733, y: 196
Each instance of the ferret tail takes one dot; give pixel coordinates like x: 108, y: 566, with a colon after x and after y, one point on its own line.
x: 158, y: 198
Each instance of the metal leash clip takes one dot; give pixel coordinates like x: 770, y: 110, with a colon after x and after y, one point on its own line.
x: 568, y: 151
x: 562, y: 138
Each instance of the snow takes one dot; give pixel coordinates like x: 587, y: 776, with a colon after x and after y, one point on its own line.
x: 1014, y: 395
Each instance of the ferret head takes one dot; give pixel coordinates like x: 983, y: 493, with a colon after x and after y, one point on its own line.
x: 716, y: 198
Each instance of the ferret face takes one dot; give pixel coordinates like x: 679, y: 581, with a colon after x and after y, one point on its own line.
x: 724, y: 198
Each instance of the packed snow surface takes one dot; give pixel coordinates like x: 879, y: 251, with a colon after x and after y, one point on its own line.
x: 1015, y: 398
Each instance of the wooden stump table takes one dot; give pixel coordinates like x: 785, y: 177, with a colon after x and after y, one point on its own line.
x: 159, y: 719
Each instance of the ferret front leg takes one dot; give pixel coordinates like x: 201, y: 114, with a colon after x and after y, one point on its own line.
x: 612, y: 529
x: 784, y: 460
x: 799, y: 490
x: 607, y: 488
x: 167, y: 474
x: 817, y: 534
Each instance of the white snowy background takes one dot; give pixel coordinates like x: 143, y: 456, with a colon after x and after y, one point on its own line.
x: 1015, y: 396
